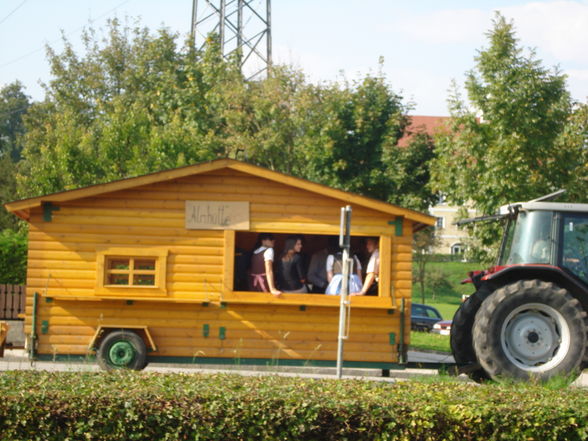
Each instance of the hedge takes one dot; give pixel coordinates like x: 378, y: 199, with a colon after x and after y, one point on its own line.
x: 147, y: 406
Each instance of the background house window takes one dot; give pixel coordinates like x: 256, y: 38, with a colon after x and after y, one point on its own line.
x: 440, y: 222
x: 457, y: 248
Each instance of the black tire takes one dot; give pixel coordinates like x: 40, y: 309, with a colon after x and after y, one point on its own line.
x: 530, y: 330
x: 461, y: 340
x: 122, y: 350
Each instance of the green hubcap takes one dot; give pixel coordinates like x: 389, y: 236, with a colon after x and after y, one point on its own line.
x: 121, y: 353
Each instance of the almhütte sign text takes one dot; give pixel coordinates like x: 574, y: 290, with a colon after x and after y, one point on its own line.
x: 217, y: 215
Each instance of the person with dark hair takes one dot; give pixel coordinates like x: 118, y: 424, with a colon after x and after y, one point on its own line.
x: 289, y: 270
x: 372, y: 272
x: 334, y: 267
x: 262, y: 260
x: 317, y: 271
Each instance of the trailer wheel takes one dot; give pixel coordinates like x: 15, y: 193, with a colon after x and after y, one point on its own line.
x: 530, y: 330
x: 461, y: 334
x: 122, y: 350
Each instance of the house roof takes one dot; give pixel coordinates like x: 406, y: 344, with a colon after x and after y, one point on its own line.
x: 22, y: 207
x: 420, y: 123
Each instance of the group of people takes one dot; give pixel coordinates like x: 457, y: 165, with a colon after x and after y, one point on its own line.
x: 288, y: 273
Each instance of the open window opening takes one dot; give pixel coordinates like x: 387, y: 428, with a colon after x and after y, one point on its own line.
x: 312, y: 261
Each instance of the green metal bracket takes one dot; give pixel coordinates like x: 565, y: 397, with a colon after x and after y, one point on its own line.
x: 390, y: 311
x: 48, y: 299
x: 223, y: 304
x: 33, y: 347
x: 48, y: 209
x: 398, y: 225
x: 222, y: 333
x: 302, y: 307
x: 205, y: 330
x: 205, y: 304
x: 130, y: 302
x: 44, y: 326
x: 401, y: 346
x: 392, y: 337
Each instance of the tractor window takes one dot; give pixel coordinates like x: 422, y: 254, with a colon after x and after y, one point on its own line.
x: 575, y: 245
x: 529, y: 239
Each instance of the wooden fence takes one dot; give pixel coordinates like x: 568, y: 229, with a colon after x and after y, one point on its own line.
x: 12, y: 301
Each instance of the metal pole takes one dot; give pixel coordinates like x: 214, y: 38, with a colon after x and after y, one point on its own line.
x: 344, y: 242
x: 240, y: 30
x: 269, y: 35
x: 222, y: 27
x: 193, y: 25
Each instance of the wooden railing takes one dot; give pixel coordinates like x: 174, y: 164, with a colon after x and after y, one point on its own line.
x: 12, y: 301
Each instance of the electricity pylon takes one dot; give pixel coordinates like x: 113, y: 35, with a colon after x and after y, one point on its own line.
x: 243, y: 28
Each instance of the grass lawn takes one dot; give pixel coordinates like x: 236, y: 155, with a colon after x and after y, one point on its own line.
x: 446, y: 297
x: 429, y: 341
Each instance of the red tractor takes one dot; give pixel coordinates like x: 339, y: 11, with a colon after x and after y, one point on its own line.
x: 527, y: 318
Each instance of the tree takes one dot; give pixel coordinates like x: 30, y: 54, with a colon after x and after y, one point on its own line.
x: 139, y: 102
x: 134, y: 104
x: 502, y: 146
x: 14, y: 103
x: 424, y: 241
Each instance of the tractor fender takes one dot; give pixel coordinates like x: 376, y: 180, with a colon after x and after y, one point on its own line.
x: 546, y: 273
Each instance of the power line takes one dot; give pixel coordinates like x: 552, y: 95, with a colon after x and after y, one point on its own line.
x: 12, y: 12
x: 65, y: 35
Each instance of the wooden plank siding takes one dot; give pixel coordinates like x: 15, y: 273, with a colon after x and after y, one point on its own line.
x: 63, y: 269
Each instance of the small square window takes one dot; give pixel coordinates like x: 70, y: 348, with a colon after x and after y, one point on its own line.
x: 142, y: 271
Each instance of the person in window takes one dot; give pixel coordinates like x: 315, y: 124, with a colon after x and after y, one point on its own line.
x: 317, y: 272
x: 372, y: 272
x: 289, y: 269
x: 334, y: 267
x: 262, y: 273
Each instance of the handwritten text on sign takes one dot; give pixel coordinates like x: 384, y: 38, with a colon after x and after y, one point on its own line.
x: 213, y: 215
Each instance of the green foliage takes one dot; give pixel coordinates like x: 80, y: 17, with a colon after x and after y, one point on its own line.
x: 437, y: 282
x: 422, y: 246
x: 138, y: 406
x: 515, y: 139
x: 13, y: 257
x: 139, y: 102
x: 13, y: 105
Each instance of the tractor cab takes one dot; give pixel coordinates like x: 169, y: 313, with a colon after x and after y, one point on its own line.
x: 546, y: 233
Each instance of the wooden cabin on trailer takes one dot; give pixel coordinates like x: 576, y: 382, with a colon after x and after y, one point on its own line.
x: 147, y: 269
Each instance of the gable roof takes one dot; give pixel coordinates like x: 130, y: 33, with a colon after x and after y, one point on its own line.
x: 22, y: 207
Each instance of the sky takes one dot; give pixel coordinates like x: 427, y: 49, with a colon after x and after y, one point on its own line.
x: 424, y: 44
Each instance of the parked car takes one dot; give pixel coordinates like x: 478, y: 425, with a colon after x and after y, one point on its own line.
x: 443, y: 327
x: 424, y: 317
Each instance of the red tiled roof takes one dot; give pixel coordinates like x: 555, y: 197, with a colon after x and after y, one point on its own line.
x: 419, y: 123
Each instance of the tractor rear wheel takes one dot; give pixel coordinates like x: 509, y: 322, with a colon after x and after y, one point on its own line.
x: 530, y: 330
x: 461, y: 335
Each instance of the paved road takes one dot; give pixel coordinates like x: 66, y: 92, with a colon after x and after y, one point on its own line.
x: 17, y: 360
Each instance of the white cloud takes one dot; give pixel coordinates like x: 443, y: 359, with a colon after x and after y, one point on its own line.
x: 557, y: 28
x: 448, y: 26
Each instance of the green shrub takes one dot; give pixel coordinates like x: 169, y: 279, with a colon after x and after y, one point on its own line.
x: 13, y: 257
x: 141, y: 406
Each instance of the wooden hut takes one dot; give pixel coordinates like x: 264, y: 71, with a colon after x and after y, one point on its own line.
x: 148, y: 263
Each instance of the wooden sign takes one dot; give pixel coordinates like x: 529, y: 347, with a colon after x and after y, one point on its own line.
x: 216, y: 215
